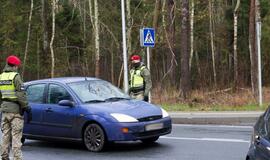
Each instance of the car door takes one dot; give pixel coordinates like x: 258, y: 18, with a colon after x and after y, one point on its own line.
x: 58, y: 119
x: 36, y: 99
x: 262, y: 138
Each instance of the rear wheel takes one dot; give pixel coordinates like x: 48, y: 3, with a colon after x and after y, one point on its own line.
x: 150, y: 140
x: 94, y: 138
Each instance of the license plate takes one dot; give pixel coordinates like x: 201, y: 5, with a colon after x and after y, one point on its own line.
x: 155, y: 126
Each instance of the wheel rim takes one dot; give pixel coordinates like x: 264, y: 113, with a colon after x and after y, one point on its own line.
x: 94, y: 138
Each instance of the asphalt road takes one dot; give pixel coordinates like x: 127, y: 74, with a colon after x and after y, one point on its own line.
x: 186, y: 142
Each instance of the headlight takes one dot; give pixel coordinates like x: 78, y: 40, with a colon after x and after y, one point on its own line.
x: 123, y: 117
x: 164, y: 113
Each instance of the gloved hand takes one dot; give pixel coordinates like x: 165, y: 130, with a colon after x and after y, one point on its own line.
x: 29, y: 114
x: 146, y: 98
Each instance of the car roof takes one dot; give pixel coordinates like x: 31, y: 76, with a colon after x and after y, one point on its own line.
x: 62, y: 80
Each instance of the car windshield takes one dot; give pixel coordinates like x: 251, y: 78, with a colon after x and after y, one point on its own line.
x: 95, y: 91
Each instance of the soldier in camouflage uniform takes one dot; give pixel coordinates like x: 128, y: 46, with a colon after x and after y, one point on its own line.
x: 140, y: 80
x: 13, y: 105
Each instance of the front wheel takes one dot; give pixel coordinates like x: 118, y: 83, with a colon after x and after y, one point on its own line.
x: 94, y: 138
x: 150, y: 140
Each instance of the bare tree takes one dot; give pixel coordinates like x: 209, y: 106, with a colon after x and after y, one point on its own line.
x: 156, y: 14
x: 28, y: 37
x: 129, y: 27
x: 211, y: 28
x: 45, y: 37
x: 185, y: 83
x: 168, y: 24
x: 52, y: 38
x: 97, y: 48
x: 253, y: 49
x: 170, y: 38
x: 191, y: 33
x: 91, y: 12
x: 235, y: 25
x: 85, y: 70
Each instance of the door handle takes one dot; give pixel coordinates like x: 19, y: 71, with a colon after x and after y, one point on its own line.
x: 49, y: 110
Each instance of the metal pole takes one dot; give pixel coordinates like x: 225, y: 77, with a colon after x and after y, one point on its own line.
x: 148, y: 66
x: 258, y: 31
x: 124, y: 47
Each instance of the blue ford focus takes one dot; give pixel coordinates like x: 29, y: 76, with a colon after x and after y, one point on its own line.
x: 92, y: 111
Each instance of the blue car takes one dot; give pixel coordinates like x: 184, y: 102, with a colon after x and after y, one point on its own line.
x: 259, y: 148
x: 91, y: 111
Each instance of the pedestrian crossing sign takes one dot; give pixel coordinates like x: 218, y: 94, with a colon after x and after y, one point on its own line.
x: 147, y: 37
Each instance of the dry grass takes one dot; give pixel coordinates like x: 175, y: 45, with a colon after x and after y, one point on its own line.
x: 210, y: 100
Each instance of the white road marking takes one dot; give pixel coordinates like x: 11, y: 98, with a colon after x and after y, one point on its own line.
x: 207, y: 139
x: 214, y: 126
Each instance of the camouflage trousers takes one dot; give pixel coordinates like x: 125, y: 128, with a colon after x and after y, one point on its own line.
x: 12, y: 127
x: 138, y: 95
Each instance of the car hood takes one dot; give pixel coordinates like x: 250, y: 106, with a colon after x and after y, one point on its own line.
x: 134, y: 108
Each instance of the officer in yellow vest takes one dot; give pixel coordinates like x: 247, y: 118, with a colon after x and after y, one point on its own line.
x: 13, y: 104
x: 140, y: 79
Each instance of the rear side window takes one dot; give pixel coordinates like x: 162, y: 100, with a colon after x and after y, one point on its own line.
x: 35, y: 93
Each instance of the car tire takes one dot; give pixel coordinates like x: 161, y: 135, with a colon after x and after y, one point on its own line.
x: 94, y: 138
x: 150, y: 140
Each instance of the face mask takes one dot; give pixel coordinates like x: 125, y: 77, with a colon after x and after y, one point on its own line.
x: 136, y: 65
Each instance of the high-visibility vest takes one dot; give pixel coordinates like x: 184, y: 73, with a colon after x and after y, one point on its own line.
x: 7, y: 86
x: 136, y: 78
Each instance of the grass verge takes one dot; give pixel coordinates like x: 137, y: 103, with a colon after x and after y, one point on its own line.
x: 199, y: 108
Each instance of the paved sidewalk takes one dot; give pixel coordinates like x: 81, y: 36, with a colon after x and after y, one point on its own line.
x: 222, y: 118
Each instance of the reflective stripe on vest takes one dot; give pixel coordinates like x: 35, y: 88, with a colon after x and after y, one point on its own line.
x: 7, y: 86
x: 136, y: 78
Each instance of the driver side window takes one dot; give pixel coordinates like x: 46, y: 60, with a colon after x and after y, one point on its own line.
x: 57, y: 93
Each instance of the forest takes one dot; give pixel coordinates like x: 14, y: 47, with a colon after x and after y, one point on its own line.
x: 200, y: 45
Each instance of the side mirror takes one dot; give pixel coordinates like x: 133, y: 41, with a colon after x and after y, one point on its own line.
x: 66, y: 103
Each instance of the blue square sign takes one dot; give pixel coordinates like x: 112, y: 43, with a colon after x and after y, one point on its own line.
x: 147, y: 37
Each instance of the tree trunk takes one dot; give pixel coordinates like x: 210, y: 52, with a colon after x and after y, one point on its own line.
x: 38, y: 58
x: 112, y: 64
x: 97, y: 56
x: 45, y: 48
x: 28, y: 37
x: 253, y: 49
x: 85, y: 65
x: 185, y: 54
x: 129, y: 27
x: 156, y: 14
x: 210, y: 9
x: 52, y: 39
x: 191, y: 33
x: 91, y: 12
x: 152, y: 51
x: 170, y: 29
x: 236, y: 79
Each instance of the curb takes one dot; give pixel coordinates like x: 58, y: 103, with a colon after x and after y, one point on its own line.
x: 218, y: 118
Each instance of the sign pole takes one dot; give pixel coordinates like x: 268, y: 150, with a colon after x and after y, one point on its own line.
x: 147, y: 39
x: 148, y: 66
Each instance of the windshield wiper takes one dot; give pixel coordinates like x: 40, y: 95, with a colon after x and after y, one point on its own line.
x: 94, y: 101
x: 116, y: 99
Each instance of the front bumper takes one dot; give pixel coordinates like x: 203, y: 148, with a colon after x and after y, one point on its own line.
x: 137, y: 131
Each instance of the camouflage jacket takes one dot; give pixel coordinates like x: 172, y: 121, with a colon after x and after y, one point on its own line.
x: 145, y: 73
x: 21, y: 102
